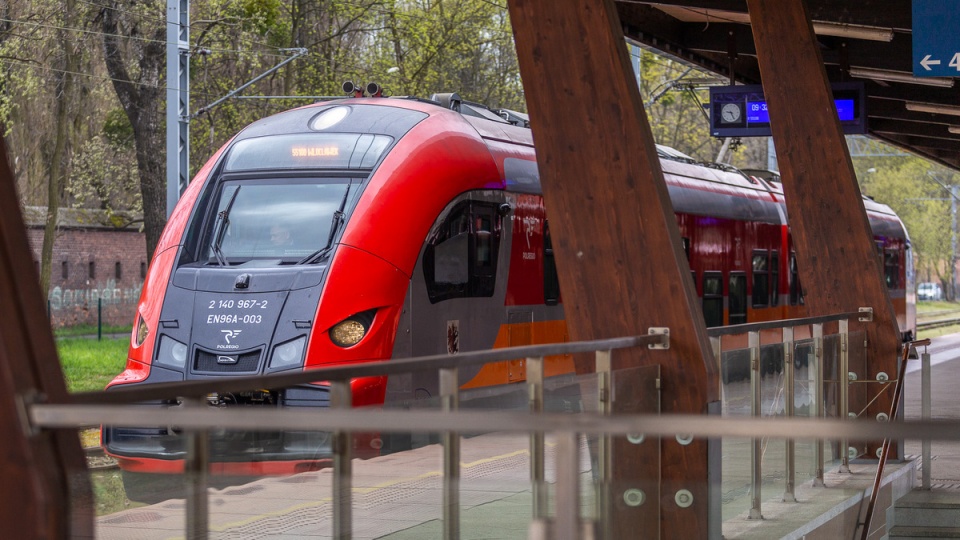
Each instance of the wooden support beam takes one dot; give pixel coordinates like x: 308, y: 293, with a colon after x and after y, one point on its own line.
x: 837, y: 256
x: 47, y: 492
x: 620, y: 258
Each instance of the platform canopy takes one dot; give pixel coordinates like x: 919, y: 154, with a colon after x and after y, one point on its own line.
x: 866, y: 40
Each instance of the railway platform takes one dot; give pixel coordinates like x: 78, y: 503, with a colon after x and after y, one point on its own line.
x: 399, y: 496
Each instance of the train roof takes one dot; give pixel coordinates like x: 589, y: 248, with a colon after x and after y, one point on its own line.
x: 696, y: 187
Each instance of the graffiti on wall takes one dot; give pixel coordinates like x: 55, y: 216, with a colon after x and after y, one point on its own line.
x: 109, y: 294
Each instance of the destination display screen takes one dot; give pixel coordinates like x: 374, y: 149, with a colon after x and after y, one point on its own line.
x: 308, y: 151
x: 757, y: 111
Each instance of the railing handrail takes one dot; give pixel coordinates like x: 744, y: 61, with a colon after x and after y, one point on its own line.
x: 736, y: 329
x: 198, y: 417
x: 197, y: 389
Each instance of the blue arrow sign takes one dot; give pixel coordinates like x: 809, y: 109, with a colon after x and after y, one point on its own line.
x: 936, y: 38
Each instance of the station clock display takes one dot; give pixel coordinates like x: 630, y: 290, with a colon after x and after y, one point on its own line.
x: 741, y: 111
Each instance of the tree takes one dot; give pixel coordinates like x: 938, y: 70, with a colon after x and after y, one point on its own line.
x: 915, y: 190
x: 134, y: 46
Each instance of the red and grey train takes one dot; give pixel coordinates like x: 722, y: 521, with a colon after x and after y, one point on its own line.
x: 368, y: 229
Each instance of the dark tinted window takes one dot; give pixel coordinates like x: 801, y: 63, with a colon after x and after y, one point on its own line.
x: 761, y: 279
x: 891, y: 269
x: 551, y: 282
x: 737, y: 298
x: 796, y: 290
x: 774, y: 278
x: 460, y: 259
x: 713, y: 299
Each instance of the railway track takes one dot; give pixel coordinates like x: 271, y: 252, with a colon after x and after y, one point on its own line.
x: 939, y: 323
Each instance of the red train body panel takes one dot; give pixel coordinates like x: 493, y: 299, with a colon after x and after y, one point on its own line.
x: 418, y: 230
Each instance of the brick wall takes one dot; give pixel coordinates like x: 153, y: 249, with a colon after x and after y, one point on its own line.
x: 85, y: 265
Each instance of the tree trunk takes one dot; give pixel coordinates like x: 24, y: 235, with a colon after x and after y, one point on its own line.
x: 60, y: 157
x: 143, y: 100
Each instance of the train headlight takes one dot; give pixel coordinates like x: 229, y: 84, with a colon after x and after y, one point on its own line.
x: 349, y: 332
x: 288, y: 354
x: 172, y: 353
x: 142, y: 332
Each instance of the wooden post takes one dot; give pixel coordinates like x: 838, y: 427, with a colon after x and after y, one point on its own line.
x: 836, y: 254
x: 620, y: 259
x: 47, y: 491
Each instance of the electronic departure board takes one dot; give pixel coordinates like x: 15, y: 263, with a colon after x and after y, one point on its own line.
x: 741, y: 111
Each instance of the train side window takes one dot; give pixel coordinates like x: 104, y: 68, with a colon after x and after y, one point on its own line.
x: 761, y: 279
x: 737, y: 298
x: 891, y: 268
x: 796, y: 290
x: 460, y: 259
x: 774, y: 278
x: 551, y: 281
x: 713, y: 299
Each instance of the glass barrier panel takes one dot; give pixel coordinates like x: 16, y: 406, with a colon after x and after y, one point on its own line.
x: 805, y: 406
x: 735, y: 392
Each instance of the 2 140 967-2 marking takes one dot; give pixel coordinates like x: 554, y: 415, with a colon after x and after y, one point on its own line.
x: 241, y: 304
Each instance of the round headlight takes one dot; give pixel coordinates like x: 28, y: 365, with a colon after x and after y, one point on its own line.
x: 347, y: 333
x: 329, y: 118
x: 172, y: 353
x: 288, y: 354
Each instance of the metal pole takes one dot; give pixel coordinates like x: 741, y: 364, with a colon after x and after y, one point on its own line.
x: 925, y: 413
x: 196, y: 469
x: 953, y: 242
x: 818, y: 401
x: 450, y: 401
x: 178, y: 100
x: 756, y: 411
x: 604, y: 369
x: 844, y: 382
x: 568, y: 476
x: 789, y: 410
x: 341, y: 398
x: 535, y: 387
x: 99, y: 319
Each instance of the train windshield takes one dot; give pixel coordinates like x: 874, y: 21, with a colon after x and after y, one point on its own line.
x: 277, y: 222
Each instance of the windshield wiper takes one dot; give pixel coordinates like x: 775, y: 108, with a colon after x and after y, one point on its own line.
x: 334, y: 226
x: 220, y: 229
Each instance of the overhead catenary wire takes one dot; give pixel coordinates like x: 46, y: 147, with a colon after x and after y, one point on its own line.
x: 137, y: 38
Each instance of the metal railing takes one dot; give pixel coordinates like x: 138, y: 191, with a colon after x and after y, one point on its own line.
x: 197, y: 460
x: 816, y: 325
x: 196, y: 419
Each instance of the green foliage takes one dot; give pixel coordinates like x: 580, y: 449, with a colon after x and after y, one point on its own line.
x: 915, y: 190
x: 261, y: 16
x: 89, y: 364
x: 117, y: 129
x: 674, y: 108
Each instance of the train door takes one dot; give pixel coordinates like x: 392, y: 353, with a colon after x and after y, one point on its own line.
x: 737, y: 298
